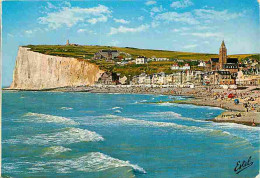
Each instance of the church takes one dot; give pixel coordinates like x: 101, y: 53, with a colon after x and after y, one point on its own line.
x: 223, y: 62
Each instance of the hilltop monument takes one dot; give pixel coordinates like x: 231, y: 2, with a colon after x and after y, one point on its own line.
x: 68, y: 43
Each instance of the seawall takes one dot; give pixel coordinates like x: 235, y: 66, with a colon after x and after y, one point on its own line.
x: 36, y: 71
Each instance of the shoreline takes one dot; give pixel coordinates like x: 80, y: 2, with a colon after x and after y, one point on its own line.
x: 199, y: 96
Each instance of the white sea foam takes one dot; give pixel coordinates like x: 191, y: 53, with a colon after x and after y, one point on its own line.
x: 143, y: 101
x: 173, y: 115
x: 235, y: 126
x: 117, y: 111
x: 116, y: 108
x: 66, y: 108
x: 91, y: 162
x: 131, y: 121
x: 165, y: 104
x: 43, y: 118
x: 65, y: 136
x: 188, y: 106
x: 54, y: 150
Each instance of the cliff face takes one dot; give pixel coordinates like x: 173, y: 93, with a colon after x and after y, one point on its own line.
x: 38, y: 71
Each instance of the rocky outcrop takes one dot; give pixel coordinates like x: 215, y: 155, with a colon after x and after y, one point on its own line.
x: 36, y: 71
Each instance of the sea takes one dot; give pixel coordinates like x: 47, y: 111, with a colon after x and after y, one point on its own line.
x: 74, y: 135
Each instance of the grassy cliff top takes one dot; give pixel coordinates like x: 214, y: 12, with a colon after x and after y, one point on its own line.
x: 87, y: 52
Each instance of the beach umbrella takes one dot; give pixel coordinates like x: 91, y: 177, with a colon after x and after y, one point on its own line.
x: 236, y: 101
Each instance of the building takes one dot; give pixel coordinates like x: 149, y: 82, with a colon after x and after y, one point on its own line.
x: 142, y: 79
x: 70, y: 44
x: 202, y: 64
x: 185, y: 67
x: 161, y: 59
x: 219, y: 78
x: 175, y: 67
x: 106, y: 54
x: 223, y: 62
x: 141, y: 60
x: 106, y: 78
x: 159, y: 79
x: 243, y: 79
x: 123, y: 80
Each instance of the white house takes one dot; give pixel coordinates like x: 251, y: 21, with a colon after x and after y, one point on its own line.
x: 161, y: 59
x: 159, y: 78
x: 141, y: 60
x: 175, y: 67
x: 185, y: 67
x: 202, y: 64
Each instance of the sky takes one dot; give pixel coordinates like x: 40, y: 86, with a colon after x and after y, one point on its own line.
x: 177, y: 25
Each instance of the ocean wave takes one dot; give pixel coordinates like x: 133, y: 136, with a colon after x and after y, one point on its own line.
x: 54, y: 150
x: 43, y: 118
x: 165, y: 124
x: 91, y: 162
x: 66, y: 108
x: 63, y: 137
x: 235, y: 126
x: 165, y: 104
x: 173, y: 115
x: 117, y: 107
x: 190, y: 106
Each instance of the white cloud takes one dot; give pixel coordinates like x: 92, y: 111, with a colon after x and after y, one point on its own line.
x: 28, y: 32
x: 185, y: 17
x: 123, y: 29
x: 81, y: 30
x: 10, y: 35
x: 51, y: 6
x: 85, y: 31
x: 141, y: 18
x: 157, y: 9
x: 70, y: 16
x: 199, y: 27
x: 181, y: 4
x: 121, y: 21
x: 180, y: 29
x: 155, y: 24
x: 99, y: 19
x: 148, y: 3
x: 32, y: 31
x: 210, y: 14
x: 205, y: 34
x: 190, y: 46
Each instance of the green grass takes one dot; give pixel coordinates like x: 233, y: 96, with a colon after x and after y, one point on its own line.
x: 87, y: 52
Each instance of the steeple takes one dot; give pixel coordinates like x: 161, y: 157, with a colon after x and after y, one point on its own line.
x: 222, y: 55
x: 223, y: 44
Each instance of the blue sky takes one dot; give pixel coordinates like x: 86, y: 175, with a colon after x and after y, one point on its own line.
x: 178, y: 25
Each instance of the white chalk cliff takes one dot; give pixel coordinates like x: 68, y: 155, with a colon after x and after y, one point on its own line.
x: 36, y: 71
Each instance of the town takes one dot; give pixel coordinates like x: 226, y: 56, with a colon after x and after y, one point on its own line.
x: 224, y: 71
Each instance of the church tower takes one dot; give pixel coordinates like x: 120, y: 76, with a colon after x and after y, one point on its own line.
x: 222, y: 55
